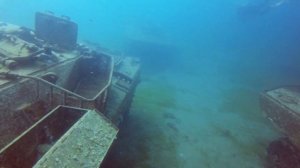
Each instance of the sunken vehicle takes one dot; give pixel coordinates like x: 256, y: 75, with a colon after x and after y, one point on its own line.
x: 61, y: 103
x: 282, y: 107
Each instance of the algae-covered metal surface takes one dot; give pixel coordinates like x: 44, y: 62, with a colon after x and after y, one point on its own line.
x: 282, y: 107
x: 66, y: 136
x: 84, y: 145
x: 60, y: 101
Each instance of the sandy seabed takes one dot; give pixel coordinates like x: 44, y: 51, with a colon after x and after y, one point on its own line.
x: 203, y: 116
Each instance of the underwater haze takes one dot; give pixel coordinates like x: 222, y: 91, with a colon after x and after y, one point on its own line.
x: 204, y: 65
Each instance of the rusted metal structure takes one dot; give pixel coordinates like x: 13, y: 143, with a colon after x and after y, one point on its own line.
x: 60, y: 102
x: 282, y: 107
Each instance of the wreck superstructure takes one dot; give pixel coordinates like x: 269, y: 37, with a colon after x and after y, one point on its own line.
x: 60, y: 102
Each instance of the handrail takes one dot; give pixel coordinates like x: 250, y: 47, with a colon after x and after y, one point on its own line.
x: 110, y: 76
x: 10, y: 75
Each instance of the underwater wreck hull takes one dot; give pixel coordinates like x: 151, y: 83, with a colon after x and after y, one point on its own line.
x: 59, y: 105
x: 19, y: 117
x: 124, y: 82
x: 79, y: 138
x: 17, y: 99
x: 282, y: 107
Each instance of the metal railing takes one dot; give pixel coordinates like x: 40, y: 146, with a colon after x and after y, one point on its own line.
x: 66, y: 94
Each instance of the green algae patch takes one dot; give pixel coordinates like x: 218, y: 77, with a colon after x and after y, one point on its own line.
x: 155, y: 97
x: 243, y: 102
x: 144, y: 140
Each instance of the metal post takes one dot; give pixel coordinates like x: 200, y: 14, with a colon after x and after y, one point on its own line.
x: 65, y: 98
x: 81, y: 103
x: 37, y: 89
x: 51, y: 96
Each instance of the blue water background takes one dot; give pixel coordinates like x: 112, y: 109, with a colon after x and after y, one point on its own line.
x: 204, y: 67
